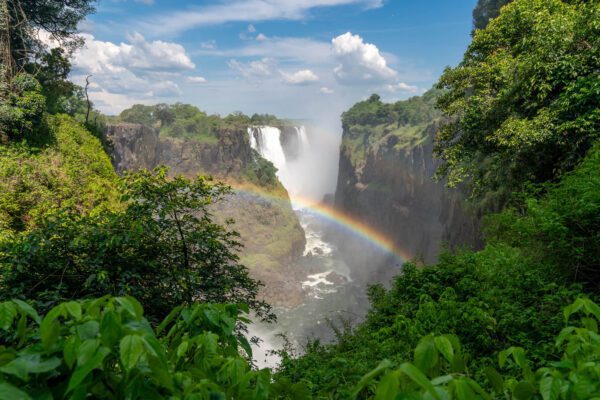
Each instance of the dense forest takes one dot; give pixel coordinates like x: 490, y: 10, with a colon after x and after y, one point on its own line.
x: 126, y: 287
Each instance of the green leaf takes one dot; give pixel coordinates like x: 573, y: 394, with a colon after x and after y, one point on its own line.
x: 132, y: 306
x: 8, y: 312
x: 550, y: 388
x: 388, y: 386
x: 444, y: 346
x: 419, y: 378
x: 523, y: 390
x: 426, y: 355
x: 27, y: 364
x: 368, y: 377
x: 110, y: 328
x: 88, y: 330
x: 10, y: 392
x: 74, y: 309
x: 70, y: 350
x: 495, y: 379
x: 131, y: 349
x: 29, y: 310
x: 82, y: 371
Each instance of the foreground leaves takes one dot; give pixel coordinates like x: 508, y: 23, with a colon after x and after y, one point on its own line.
x: 105, y: 348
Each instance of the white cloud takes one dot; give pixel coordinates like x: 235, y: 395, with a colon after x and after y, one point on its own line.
x: 255, y: 69
x: 240, y: 11
x: 138, y: 55
x: 146, y: 2
x: 251, y: 28
x: 261, y: 37
x: 359, y: 61
x: 302, y: 77
x: 402, y: 87
x: 138, y: 70
x: 196, y: 79
x: 209, y: 45
x: 326, y: 90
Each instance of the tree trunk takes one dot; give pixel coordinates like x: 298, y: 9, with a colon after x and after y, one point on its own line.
x: 7, y: 66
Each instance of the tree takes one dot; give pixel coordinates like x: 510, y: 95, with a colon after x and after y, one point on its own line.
x: 59, y: 18
x: 522, y: 106
x: 163, y: 248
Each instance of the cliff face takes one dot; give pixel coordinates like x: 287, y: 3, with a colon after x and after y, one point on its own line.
x: 136, y: 146
x: 270, y: 231
x: 386, y: 179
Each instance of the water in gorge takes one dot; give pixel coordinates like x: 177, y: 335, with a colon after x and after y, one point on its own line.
x: 333, y: 293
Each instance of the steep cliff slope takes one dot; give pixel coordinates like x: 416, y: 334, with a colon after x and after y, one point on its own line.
x: 386, y: 177
x: 269, y: 229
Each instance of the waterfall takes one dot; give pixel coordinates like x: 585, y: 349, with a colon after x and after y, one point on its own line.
x: 303, y: 138
x: 267, y: 141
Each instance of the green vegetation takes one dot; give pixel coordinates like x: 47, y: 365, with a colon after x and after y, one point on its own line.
x: 188, y: 122
x: 371, y: 123
x: 521, y: 119
x: 106, y: 349
x: 163, y: 249
x: 522, y: 106
x: 520, y: 123
x: 70, y: 171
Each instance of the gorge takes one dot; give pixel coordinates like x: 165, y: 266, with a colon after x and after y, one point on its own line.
x: 316, y: 251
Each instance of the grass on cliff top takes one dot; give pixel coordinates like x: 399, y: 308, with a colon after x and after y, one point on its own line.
x: 70, y: 171
x: 359, y: 140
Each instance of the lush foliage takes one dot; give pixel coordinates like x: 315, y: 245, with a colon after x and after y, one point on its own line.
x: 163, y: 248
x: 440, y: 370
x: 105, y: 348
x: 22, y: 112
x: 404, y: 124
x: 69, y: 170
x: 186, y: 121
x: 522, y: 106
x: 562, y: 228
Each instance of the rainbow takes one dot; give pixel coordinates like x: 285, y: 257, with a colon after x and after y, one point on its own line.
x: 340, y: 219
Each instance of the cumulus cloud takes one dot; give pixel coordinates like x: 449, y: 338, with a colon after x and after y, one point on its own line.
x: 302, y: 77
x: 326, y: 90
x: 138, y: 70
x: 251, y: 28
x: 196, y: 79
x: 261, y: 37
x: 255, y: 69
x: 359, y: 61
x: 137, y: 55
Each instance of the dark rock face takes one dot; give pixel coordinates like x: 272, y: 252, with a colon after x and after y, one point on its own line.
x: 136, y: 146
x: 393, y: 191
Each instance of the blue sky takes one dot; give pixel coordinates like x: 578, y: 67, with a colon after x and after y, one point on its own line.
x: 294, y: 58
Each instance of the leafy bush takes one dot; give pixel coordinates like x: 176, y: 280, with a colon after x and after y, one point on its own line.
x: 440, y: 372
x: 490, y: 300
x: 522, y: 106
x: 562, y: 228
x: 163, y: 248
x: 70, y: 171
x: 22, y: 112
x: 105, y: 348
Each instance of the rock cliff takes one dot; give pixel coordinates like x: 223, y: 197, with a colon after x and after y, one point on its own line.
x: 385, y: 179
